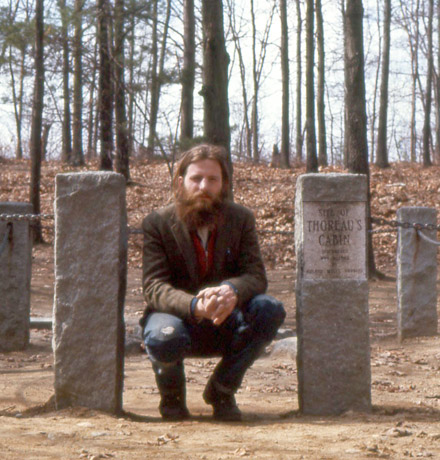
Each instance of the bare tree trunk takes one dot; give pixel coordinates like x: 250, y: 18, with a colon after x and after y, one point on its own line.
x: 154, y: 79
x: 105, y: 87
x: 355, y: 89
x: 254, y: 113
x: 415, y: 78
x: 247, y: 125
x: 407, y: 14
x: 382, y: 148
x: 157, y: 73
x: 37, y: 116
x: 346, y: 110
x: 437, y: 130
x: 93, y: 116
x: 45, y: 140
x: 77, y: 152
x: 66, y: 128
x: 188, y: 72
x: 131, y: 95
x: 122, y: 143
x: 285, y: 124
x: 322, y: 136
x: 215, y: 76
x: 299, y: 134
x: 312, y: 160
x: 373, y: 117
x: 356, y: 115
x: 428, y: 98
x: 17, y: 100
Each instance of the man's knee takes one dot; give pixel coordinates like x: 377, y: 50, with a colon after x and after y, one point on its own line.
x: 166, y: 338
x: 266, y: 314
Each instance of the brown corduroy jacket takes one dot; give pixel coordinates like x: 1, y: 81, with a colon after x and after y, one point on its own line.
x: 170, y: 273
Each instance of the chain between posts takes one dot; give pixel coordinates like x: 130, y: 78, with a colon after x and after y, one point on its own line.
x: 32, y: 218
x: 393, y: 224
x: 418, y: 227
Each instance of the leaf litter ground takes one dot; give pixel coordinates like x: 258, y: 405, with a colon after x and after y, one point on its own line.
x: 405, y: 422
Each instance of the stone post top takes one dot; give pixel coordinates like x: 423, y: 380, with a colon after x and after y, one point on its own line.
x: 333, y: 187
x: 89, y: 179
x: 417, y: 214
x: 417, y: 209
x: 89, y: 174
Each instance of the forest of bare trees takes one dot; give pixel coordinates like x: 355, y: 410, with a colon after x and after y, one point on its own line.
x: 270, y: 80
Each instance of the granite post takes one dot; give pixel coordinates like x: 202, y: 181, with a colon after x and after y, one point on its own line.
x: 15, y: 278
x: 90, y: 282
x: 333, y: 356
x: 416, y: 274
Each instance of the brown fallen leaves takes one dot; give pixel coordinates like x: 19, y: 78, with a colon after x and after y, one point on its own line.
x: 269, y: 192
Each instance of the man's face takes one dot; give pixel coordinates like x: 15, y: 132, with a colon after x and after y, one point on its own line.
x: 200, y: 194
x: 203, y: 180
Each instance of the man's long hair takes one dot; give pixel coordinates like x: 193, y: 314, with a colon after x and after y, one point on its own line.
x: 199, y: 153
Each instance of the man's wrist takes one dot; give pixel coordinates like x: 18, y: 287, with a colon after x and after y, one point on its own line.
x: 192, y: 307
x: 228, y: 283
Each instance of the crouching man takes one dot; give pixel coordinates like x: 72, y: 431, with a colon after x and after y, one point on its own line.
x: 204, y: 283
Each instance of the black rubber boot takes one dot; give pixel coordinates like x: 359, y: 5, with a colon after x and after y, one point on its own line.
x: 170, y: 379
x: 173, y: 407
x: 223, y: 402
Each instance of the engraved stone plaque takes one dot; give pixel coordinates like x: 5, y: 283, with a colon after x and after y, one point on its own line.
x: 334, y: 240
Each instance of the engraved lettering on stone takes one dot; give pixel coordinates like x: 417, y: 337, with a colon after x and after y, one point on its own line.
x: 334, y: 240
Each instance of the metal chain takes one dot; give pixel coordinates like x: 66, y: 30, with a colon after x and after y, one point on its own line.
x: 426, y: 238
x: 395, y: 224
x: 33, y: 218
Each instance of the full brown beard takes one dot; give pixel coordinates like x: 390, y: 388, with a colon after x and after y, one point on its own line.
x: 199, y: 210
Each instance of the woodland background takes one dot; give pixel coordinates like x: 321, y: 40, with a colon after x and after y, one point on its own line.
x: 305, y: 86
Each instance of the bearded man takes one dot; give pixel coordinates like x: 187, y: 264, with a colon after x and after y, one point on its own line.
x: 204, y: 283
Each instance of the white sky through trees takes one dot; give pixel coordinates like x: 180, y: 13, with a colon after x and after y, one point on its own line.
x: 270, y: 93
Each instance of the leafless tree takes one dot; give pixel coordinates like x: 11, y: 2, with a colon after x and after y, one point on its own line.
x: 285, y: 128
x: 410, y: 10
x: 36, y: 143
x: 355, y: 104
x: 122, y: 142
x: 188, y: 72
x: 77, y: 157
x: 437, y: 92
x: 320, y: 99
x: 428, y: 92
x: 382, y: 147
x: 298, y: 129
x: 66, y: 128
x: 246, y: 131
x: 215, y: 75
x: 105, y: 87
x: 312, y: 160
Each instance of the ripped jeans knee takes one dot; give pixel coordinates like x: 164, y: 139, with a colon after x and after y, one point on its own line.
x: 166, y: 338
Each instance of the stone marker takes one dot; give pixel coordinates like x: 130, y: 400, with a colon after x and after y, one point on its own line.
x: 416, y: 275
x: 333, y: 357
x: 15, y: 279
x: 90, y: 281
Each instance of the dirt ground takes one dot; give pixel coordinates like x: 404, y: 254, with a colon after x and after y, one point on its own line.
x: 404, y: 423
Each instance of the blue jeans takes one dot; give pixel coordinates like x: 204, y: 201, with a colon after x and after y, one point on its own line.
x: 239, y: 340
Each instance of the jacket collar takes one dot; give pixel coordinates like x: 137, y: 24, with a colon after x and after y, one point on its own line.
x: 186, y: 245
